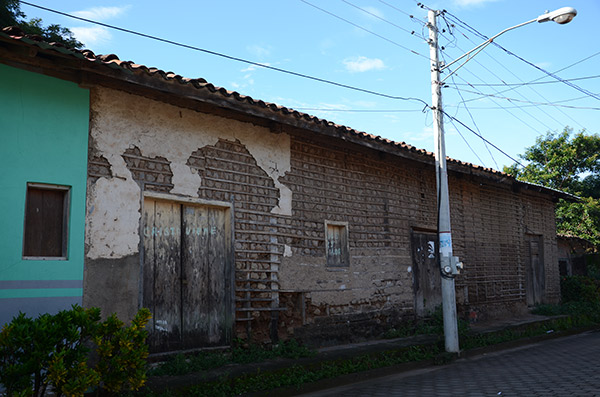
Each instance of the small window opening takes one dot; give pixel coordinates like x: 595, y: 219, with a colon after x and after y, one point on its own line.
x: 336, y: 247
x: 46, y: 223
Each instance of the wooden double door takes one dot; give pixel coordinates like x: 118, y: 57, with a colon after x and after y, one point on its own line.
x: 187, y: 274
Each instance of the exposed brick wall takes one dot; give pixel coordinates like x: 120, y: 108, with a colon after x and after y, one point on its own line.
x: 98, y: 167
x: 153, y: 173
x: 383, y: 199
x: 229, y: 173
x: 280, y: 260
x: 490, y: 225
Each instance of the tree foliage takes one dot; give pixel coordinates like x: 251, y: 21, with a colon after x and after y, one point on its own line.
x: 569, y: 162
x: 11, y: 15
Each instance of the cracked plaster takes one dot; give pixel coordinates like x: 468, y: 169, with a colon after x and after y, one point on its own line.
x: 121, y: 121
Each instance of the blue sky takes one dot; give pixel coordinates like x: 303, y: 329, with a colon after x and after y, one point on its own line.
x: 374, y: 45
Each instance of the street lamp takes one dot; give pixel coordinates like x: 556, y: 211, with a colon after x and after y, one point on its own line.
x: 449, y: 264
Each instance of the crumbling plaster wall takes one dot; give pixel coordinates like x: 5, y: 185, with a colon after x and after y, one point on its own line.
x: 122, y: 121
x: 122, y: 125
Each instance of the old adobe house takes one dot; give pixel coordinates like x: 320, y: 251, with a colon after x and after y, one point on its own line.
x: 230, y: 216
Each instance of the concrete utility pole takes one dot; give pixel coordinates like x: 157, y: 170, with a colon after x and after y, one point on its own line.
x: 449, y: 265
x: 444, y: 232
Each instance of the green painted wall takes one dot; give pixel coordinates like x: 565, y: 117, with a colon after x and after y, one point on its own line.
x: 43, y: 139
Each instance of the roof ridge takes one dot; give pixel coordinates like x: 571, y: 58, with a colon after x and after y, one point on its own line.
x: 16, y: 33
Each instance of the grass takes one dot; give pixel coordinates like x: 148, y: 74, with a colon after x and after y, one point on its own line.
x: 433, y: 325
x: 240, y: 354
x: 296, y: 375
x: 577, y: 315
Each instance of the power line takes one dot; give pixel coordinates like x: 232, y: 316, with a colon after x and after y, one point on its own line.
x: 591, y: 94
x: 512, y: 107
x: 490, y: 143
x: 533, y: 82
x: 384, y: 20
x: 469, y: 146
x: 508, y: 111
x: 555, y: 104
x: 365, y: 29
x: 398, y: 9
x: 450, y: 27
x: 523, y: 96
x: 578, y: 62
x: 476, y: 126
x: 362, y: 110
x: 557, y: 71
x: 233, y: 58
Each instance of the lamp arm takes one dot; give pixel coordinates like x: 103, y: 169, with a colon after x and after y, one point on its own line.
x: 484, y: 44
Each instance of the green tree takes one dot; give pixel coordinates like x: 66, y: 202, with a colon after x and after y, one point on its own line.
x: 569, y: 162
x: 11, y: 15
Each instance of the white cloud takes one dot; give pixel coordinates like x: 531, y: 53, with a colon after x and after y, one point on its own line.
x: 374, y: 11
x: 252, y: 68
x: 92, y: 36
x: 101, y: 13
x: 471, y: 3
x: 423, y: 136
x: 543, y: 65
x: 258, y: 51
x: 363, y: 64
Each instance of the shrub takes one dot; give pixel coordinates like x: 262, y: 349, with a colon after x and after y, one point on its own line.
x: 580, y: 289
x: 51, y: 351
x: 122, y: 352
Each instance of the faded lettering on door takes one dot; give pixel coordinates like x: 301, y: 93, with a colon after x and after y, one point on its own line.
x: 187, y: 274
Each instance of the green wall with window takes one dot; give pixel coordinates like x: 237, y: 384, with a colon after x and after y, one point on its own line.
x: 43, y: 141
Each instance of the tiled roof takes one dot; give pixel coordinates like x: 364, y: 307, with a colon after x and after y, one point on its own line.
x: 113, y: 61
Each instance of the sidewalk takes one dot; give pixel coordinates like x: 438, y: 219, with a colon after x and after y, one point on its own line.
x: 332, y: 353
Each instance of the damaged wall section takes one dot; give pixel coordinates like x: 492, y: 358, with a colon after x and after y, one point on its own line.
x: 139, y: 145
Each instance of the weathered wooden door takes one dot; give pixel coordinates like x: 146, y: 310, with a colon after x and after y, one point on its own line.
x: 187, y: 275
x: 427, y: 283
x: 536, y: 276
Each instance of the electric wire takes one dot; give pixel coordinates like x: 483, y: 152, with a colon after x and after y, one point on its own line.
x: 524, y: 97
x: 364, y: 29
x: 478, y: 134
x: 473, y: 121
x: 549, y: 115
x: 507, y: 110
x: 553, y: 104
x: 361, y: 110
x: 233, y: 58
x: 533, y: 82
x: 537, y: 105
x: 478, y: 130
x: 449, y: 26
x: 481, y: 137
x: 578, y: 62
x: 553, y: 75
x: 412, y: 33
x: 469, y: 146
x: 412, y: 17
x: 537, y: 93
x: 518, y: 93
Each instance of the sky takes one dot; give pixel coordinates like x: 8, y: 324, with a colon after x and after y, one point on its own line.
x: 504, y: 95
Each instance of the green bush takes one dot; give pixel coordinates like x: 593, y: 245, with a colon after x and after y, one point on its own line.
x: 122, y: 352
x: 51, y: 352
x: 580, y: 289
